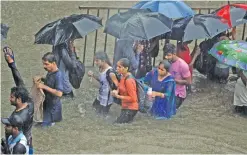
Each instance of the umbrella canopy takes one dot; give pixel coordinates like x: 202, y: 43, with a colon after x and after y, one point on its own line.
x: 231, y: 52
x: 236, y: 14
x: 138, y: 24
x: 72, y: 27
x: 172, y: 9
x: 4, y: 31
x: 197, y: 27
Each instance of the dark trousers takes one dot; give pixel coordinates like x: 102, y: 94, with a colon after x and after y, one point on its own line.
x: 101, y: 109
x: 126, y: 116
x: 221, y: 74
x: 241, y: 109
x: 179, y: 101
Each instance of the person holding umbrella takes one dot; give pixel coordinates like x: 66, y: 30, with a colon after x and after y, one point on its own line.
x: 61, y: 34
x: 125, y: 48
x: 144, y: 59
x: 221, y: 70
x: 234, y: 53
x: 66, y: 56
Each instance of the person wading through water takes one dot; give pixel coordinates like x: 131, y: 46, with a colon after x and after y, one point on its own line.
x: 65, y: 57
x: 181, y: 73
x: 127, y: 92
x: 104, y: 99
x: 20, y: 98
x: 16, y: 142
x: 53, y: 89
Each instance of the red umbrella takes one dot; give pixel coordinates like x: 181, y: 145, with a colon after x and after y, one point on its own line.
x: 236, y: 14
x: 243, y: 6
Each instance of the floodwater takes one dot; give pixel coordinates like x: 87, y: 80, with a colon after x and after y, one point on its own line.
x: 205, y: 123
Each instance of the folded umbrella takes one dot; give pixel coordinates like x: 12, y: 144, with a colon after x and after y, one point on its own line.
x: 231, y: 52
x: 4, y: 31
x: 236, y: 14
x: 197, y: 27
x: 172, y: 9
x: 138, y: 24
x: 72, y: 27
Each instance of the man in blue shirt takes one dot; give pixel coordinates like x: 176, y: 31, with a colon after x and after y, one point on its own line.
x: 53, y: 89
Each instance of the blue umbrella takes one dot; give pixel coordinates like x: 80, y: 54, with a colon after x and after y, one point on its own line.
x: 171, y: 9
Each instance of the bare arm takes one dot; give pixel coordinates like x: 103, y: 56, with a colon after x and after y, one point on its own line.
x: 58, y: 88
x: 52, y: 91
x: 114, y: 79
x: 185, y: 81
x: 96, y: 77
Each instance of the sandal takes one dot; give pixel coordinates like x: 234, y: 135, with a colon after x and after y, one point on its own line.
x: 8, y: 53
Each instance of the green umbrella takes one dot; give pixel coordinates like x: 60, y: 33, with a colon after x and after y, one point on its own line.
x: 231, y: 52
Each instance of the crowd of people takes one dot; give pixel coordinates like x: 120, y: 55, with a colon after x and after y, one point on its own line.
x: 165, y: 87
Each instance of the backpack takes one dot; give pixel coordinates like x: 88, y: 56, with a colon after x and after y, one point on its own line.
x: 141, y: 95
x: 205, y: 62
x: 111, y: 83
x: 76, y: 75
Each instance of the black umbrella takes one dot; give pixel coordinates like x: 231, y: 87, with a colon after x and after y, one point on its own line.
x: 4, y: 31
x: 138, y: 24
x: 72, y: 27
x: 197, y: 27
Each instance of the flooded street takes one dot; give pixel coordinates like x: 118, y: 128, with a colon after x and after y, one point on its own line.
x: 205, y: 123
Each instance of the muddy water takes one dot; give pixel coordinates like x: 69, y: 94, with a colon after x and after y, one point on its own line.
x: 204, y: 124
